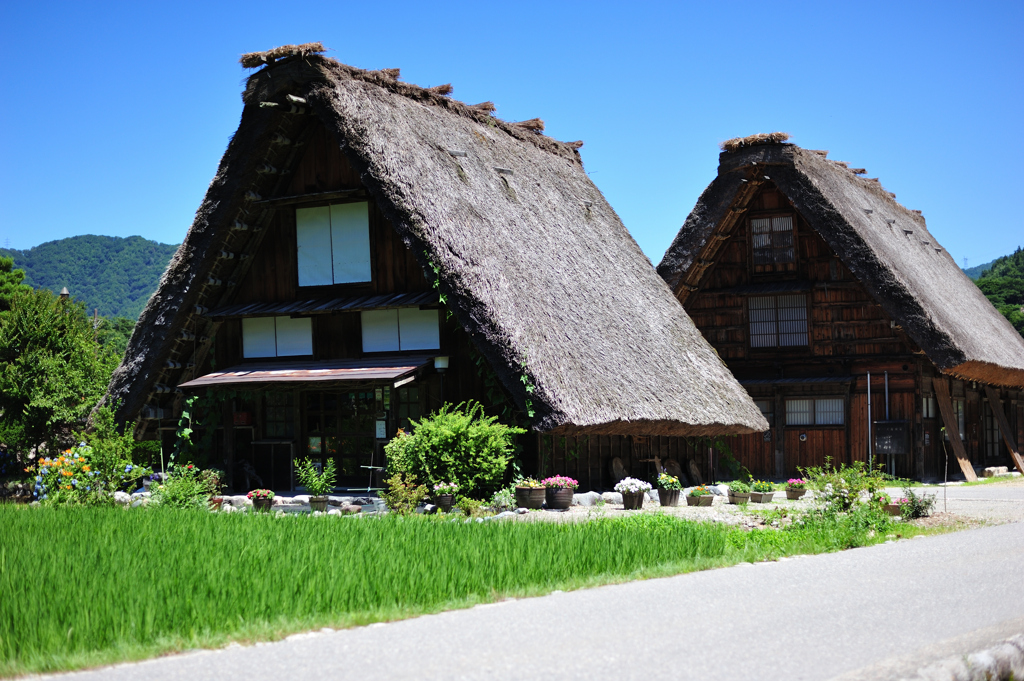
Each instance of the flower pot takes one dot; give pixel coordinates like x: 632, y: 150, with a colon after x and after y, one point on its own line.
x: 318, y: 504
x: 633, y: 501
x: 795, y: 493
x: 262, y: 505
x: 530, y: 497
x: 558, y: 498
x: 739, y: 497
x: 761, y: 497
x: 215, y: 503
x: 892, y: 509
x: 702, y: 500
x: 444, y: 502
x: 668, y: 497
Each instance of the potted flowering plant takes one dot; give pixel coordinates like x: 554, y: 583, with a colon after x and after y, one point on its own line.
x: 700, y: 496
x: 739, y: 492
x: 529, y: 493
x: 668, y: 489
x: 633, y: 492
x: 762, y: 492
x: 444, y: 495
x: 262, y: 499
x: 558, y: 491
x: 796, y: 488
x: 319, y: 483
x: 885, y: 502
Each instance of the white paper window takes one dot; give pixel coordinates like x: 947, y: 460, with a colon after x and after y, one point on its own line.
x: 829, y: 411
x: 258, y: 337
x: 313, y: 242
x: 380, y: 330
x: 799, y: 412
x: 333, y: 244
x: 772, y: 240
x: 407, y: 328
x: 929, y: 408
x: 276, y: 337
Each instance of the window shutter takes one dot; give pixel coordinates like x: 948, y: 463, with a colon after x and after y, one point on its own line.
x: 258, y: 337
x: 792, y: 320
x: 418, y: 329
x: 350, y: 235
x: 313, y: 242
x: 380, y: 330
x: 294, y: 336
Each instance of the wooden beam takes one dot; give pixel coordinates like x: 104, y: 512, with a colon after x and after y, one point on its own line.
x: 309, y: 198
x: 941, y: 388
x: 1004, y: 426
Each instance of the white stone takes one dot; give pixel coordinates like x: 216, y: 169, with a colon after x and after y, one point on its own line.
x: 652, y: 495
x: 995, y: 471
x: 334, y: 511
x: 612, y: 498
x: 585, y: 499
x: 122, y: 498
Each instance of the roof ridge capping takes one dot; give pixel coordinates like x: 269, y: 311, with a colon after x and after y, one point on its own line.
x: 311, y: 55
x: 737, y: 143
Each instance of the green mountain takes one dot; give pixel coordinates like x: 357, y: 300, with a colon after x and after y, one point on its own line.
x: 975, y: 272
x: 1003, y: 284
x: 115, y: 274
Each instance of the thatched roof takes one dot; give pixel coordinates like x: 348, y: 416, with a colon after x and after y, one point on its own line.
x: 886, y: 246
x: 533, y: 262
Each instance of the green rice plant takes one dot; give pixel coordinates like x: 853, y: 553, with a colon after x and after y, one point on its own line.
x: 88, y: 585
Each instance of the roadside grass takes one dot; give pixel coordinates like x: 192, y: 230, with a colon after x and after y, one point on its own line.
x: 991, y: 481
x: 82, y: 587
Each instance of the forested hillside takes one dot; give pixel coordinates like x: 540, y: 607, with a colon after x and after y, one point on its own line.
x: 115, y: 274
x: 976, y: 271
x: 1003, y: 284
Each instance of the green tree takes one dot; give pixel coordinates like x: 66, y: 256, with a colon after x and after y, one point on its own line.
x: 1003, y: 284
x: 10, y: 282
x: 52, y: 372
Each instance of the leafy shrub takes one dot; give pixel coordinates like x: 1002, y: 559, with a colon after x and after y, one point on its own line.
x: 185, y: 487
x: 739, y: 487
x: 318, y: 483
x: 456, y: 443
x: 914, y: 506
x: 471, y: 507
x: 669, y: 482
x: 504, y: 499
x: 763, y: 486
x: 402, y: 495
x: 840, y: 489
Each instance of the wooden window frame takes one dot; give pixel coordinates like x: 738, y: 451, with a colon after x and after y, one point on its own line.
x: 775, y: 267
x: 814, y: 411
x: 355, y: 286
x: 777, y: 346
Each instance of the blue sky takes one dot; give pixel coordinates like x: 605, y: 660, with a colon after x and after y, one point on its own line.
x: 114, y: 116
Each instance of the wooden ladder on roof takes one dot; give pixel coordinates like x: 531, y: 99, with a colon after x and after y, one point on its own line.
x: 1004, y: 426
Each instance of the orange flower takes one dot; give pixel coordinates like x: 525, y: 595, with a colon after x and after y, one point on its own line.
x: 66, y: 474
x: 86, y: 468
x: 80, y: 460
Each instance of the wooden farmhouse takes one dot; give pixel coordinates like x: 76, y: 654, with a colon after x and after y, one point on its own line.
x: 824, y: 296
x: 370, y: 250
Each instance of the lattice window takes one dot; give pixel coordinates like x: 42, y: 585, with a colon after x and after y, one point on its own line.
x: 772, y: 239
x: 993, y: 438
x: 815, y: 411
x: 778, y: 321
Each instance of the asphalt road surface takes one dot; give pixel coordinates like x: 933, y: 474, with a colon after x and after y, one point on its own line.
x: 878, y: 612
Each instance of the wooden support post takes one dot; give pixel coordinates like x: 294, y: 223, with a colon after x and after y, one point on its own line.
x: 941, y: 388
x: 1004, y: 426
x: 228, y: 417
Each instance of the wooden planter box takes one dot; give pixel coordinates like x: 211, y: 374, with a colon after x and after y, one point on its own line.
x: 633, y: 501
x: 668, y: 497
x: 761, y: 497
x: 739, y: 497
x: 318, y: 504
x: 444, y: 502
x: 702, y: 500
x: 262, y: 505
x: 893, y: 509
x: 530, y: 497
x: 558, y: 498
x: 795, y: 493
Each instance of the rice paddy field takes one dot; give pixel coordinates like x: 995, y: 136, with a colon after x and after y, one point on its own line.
x: 84, y: 586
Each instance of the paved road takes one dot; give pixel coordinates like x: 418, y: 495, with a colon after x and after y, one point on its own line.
x: 879, y: 612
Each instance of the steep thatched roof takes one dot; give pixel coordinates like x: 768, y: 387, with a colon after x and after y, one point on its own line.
x: 532, y: 260
x: 886, y: 246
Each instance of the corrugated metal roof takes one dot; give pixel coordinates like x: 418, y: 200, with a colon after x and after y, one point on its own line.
x: 366, y: 369
x: 326, y: 305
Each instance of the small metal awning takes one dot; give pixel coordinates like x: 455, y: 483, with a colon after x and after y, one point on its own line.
x: 367, y: 369
x: 326, y: 305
